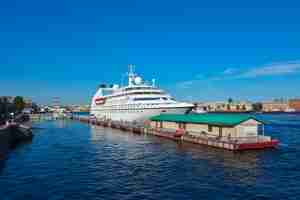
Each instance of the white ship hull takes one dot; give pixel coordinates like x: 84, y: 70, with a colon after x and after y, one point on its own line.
x: 137, y: 114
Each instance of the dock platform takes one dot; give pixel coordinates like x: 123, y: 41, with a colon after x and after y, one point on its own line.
x: 259, y: 142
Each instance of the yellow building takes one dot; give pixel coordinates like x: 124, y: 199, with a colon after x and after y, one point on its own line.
x: 275, y: 106
x: 225, y: 106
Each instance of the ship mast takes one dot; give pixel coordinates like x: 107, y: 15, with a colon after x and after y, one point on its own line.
x: 131, y: 75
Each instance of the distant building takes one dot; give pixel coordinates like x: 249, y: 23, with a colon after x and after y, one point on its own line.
x: 79, y: 108
x: 8, y: 99
x: 242, y: 106
x: 275, y: 106
x: 28, y: 103
x: 294, y: 104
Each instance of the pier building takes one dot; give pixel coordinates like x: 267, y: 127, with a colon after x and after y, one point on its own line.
x: 212, y: 125
x: 230, y: 131
x: 222, y: 106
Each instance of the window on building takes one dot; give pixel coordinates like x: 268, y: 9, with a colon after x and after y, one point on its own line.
x: 209, y: 128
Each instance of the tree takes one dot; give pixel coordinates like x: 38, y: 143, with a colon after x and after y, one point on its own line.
x: 244, y: 107
x: 19, y: 103
x: 228, y: 107
x: 209, y: 108
x: 35, y: 108
x: 257, y: 107
x: 230, y: 100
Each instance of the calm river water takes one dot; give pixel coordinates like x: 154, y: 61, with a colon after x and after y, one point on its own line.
x: 71, y: 160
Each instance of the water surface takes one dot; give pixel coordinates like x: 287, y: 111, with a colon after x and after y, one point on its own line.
x: 71, y: 160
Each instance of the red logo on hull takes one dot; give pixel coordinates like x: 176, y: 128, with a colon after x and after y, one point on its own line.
x: 100, y: 101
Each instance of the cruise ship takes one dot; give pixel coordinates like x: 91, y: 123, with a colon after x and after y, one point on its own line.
x: 138, y: 101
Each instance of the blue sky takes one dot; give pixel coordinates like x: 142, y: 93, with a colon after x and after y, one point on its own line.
x: 197, y: 50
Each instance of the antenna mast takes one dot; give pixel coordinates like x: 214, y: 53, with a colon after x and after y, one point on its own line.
x: 131, y: 75
x: 131, y: 69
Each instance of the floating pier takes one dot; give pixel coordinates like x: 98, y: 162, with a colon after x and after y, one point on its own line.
x: 184, y: 132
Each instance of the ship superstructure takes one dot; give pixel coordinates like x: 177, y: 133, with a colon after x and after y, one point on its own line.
x: 138, y: 101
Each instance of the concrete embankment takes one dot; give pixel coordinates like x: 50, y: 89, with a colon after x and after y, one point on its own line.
x: 11, y: 135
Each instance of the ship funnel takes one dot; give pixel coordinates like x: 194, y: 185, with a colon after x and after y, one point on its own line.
x: 102, y: 86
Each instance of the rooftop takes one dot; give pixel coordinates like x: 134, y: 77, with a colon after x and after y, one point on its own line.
x: 212, y: 119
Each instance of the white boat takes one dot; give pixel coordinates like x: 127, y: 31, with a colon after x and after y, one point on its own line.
x: 290, y: 110
x: 138, y: 101
x: 199, y: 110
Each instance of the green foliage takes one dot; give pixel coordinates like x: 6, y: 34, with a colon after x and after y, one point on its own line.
x: 19, y: 103
x: 228, y: 107
x: 244, y: 107
x: 230, y: 100
x: 35, y: 108
x: 257, y: 107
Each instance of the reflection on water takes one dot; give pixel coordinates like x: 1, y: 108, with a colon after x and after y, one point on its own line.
x: 71, y: 160
x: 61, y: 124
x: 6, y: 148
x: 2, y: 164
x: 148, y: 146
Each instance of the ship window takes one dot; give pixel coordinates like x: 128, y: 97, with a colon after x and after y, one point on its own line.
x: 133, y: 93
x: 165, y: 98
x: 137, y: 88
x: 146, y: 99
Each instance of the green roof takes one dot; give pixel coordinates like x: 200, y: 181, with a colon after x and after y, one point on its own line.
x: 212, y: 119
